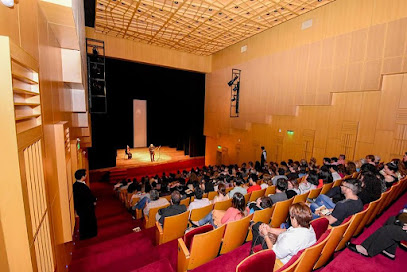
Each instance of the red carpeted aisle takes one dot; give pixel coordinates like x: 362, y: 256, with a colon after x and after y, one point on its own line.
x: 117, y: 248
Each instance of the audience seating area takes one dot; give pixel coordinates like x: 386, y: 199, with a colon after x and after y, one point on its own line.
x: 205, y: 244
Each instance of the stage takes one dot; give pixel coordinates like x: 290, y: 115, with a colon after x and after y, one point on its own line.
x: 141, y: 157
x: 166, y: 160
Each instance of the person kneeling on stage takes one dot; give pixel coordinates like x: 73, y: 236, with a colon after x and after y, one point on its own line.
x: 287, y: 242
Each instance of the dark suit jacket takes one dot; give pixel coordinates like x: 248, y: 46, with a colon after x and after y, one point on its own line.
x: 83, y: 198
x: 171, y: 210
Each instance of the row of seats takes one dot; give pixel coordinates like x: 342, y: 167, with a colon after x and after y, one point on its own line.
x: 333, y: 240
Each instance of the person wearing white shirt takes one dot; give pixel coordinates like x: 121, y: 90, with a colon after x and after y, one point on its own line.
x: 289, y: 241
x: 199, y: 202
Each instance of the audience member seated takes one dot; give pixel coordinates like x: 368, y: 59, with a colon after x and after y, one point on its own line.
x: 350, y: 168
x: 261, y: 203
x: 324, y: 175
x: 155, y: 201
x: 345, y: 208
x: 280, y: 194
x: 174, y: 208
x: 292, y: 188
x: 334, y: 174
x: 144, y: 199
x: 287, y: 242
x: 309, y: 183
x: 198, y: 202
x: 371, y: 188
x: 385, y: 239
x: 222, y: 195
x: 266, y: 182
x: 218, y: 218
x: 238, y: 188
x: 281, y: 174
x: 253, y: 184
x: 390, y: 173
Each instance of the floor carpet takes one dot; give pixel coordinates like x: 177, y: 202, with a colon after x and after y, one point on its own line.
x: 118, y: 248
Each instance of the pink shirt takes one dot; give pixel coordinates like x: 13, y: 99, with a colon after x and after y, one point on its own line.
x: 232, y: 214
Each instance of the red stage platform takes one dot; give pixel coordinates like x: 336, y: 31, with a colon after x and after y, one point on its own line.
x: 166, y: 160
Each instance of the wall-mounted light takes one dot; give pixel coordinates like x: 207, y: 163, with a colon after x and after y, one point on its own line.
x: 290, y: 132
x: 8, y: 3
x: 219, y: 147
x: 230, y: 83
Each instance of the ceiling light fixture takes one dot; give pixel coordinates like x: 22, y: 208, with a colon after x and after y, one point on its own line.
x: 8, y: 3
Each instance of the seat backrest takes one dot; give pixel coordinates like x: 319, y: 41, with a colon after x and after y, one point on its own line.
x: 205, y: 247
x: 198, y: 214
x: 175, y: 226
x: 310, y: 256
x: 375, y: 211
x: 270, y: 190
x: 326, y: 188
x: 247, y: 197
x: 392, y: 196
x: 301, y: 198
x: 260, y: 216
x: 260, y: 262
x: 337, y: 183
x: 314, y: 193
x: 211, y: 195
x: 168, y: 197
x: 370, y: 209
x: 280, y: 212
x: 189, y: 237
x: 150, y: 220
x: 382, y: 204
x: 223, y: 205
x: 256, y: 194
x: 320, y: 225
x: 235, y: 234
x: 263, y: 215
x: 334, y: 237
x: 229, y: 189
x: 185, y: 202
x: 354, y: 223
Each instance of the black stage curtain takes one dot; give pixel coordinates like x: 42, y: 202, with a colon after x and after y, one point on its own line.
x: 175, y: 110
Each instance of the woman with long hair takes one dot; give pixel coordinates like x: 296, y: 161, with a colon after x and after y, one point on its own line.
x: 218, y: 218
x: 222, y: 195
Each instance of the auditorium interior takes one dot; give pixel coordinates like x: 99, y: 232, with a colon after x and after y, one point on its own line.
x: 221, y: 79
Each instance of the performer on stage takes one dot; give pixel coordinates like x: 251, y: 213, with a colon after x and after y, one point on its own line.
x: 263, y: 156
x: 128, y: 153
x: 152, y: 152
x: 84, y: 203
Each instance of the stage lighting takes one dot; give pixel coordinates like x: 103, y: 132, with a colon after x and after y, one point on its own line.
x: 230, y: 83
x: 236, y: 88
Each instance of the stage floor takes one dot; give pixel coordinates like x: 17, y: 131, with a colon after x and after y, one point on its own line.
x: 141, y: 157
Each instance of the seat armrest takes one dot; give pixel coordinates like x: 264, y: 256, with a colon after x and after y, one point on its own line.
x: 183, y: 256
x: 159, y: 233
x: 278, y: 264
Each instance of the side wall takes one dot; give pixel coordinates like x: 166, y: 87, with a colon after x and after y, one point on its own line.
x: 28, y: 27
x: 325, y: 83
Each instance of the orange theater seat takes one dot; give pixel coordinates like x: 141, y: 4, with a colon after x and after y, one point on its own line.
x: 280, y: 212
x: 149, y: 221
x: 204, y: 248
x: 235, y: 234
x: 301, y: 198
x: 223, y: 205
x: 174, y: 227
x: 256, y: 194
x: 260, y: 216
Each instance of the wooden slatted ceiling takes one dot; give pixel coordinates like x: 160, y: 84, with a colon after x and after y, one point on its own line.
x: 198, y: 27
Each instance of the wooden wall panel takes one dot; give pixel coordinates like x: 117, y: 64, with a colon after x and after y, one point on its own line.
x: 144, y: 53
x: 316, y: 79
